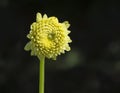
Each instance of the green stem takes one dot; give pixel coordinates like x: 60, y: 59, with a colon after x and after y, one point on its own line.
x: 41, y: 74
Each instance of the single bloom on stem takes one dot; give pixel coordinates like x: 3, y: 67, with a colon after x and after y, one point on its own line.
x: 48, y: 37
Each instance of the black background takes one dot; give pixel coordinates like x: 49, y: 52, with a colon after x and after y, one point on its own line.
x: 92, y: 65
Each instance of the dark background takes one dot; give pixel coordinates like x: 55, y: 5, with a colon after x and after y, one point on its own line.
x: 92, y: 65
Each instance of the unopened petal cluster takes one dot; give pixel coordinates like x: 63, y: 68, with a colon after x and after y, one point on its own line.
x: 48, y: 37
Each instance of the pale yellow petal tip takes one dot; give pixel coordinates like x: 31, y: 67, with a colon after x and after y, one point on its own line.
x: 68, y: 49
x: 66, y: 24
x: 38, y: 17
x: 53, y: 18
x: 70, y: 40
x: 45, y: 16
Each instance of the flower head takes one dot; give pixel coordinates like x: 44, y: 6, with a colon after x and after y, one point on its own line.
x: 48, y: 37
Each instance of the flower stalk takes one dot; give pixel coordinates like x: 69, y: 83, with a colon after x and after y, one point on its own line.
x: 41, y: 74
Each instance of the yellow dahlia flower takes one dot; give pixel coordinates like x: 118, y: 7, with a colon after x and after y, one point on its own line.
x: 48, y: 37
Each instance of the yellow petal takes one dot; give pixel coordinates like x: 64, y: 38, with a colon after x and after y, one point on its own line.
x: 45, y: 16
x: 38, y: 17
x: 66, y: 24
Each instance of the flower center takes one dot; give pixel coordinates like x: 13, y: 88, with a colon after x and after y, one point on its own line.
x: 51, y: 36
